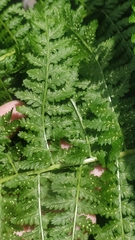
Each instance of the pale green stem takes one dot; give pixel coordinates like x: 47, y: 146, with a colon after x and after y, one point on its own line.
x: 5, y: 179
x: 45, y: 90
x: 7, y: 55
x: 12, y: 164
x: 61, y: 166
x: 76, y: 202
x: 127, y: 152
x: 39, y: 209
x: 120, y: 202
x: 49, y: 169
x: 8, y: 30
x: 0, y: 210
x: 81, y: 123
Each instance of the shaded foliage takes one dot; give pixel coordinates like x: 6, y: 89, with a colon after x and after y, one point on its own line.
x: 75, y: 79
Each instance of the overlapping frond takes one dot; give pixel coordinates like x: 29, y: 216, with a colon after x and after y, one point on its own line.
x: 74, y: 95
x: 114, y: 22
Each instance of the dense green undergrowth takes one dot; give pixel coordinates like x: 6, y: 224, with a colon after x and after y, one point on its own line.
x: 72, y: 63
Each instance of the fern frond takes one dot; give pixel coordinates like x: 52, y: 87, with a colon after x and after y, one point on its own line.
x: 72, y: 93
x: 113, y: 19
x: 3, y: 4
x: 132, y: 20
x: 13, y: 31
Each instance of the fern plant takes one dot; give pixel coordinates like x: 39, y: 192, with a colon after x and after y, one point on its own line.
x: 132, y: 19
x: 73, y: 93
